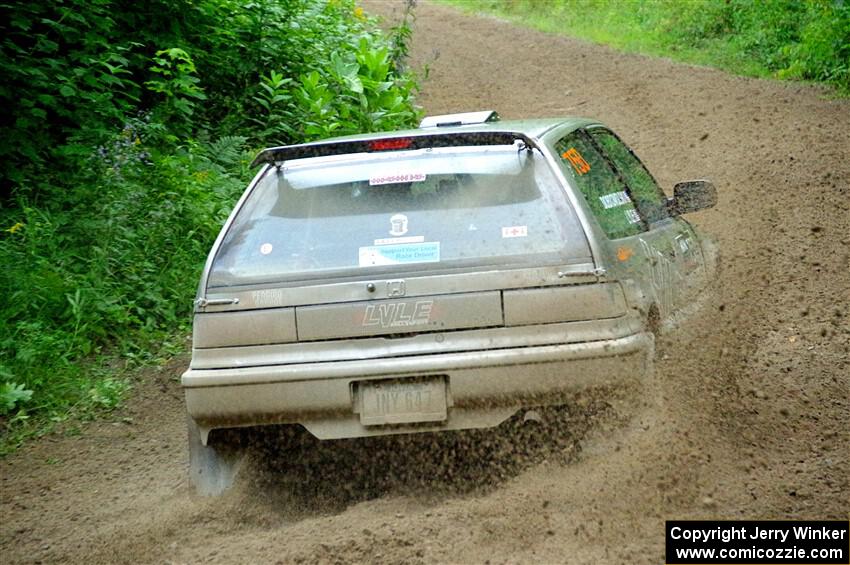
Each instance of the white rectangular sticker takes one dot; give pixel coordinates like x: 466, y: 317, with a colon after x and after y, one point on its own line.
x: 632, y: 216
x: 399, y: 254
x: 392, y: 240
x: 615, y: 199
x: 515, y: 231
x: 396, y: 177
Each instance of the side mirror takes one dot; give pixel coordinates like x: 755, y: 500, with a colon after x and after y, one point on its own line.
x: 692, y: 196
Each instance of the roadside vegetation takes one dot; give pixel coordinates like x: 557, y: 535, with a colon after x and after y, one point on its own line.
x: 127, y: 133
x: 786, y: 39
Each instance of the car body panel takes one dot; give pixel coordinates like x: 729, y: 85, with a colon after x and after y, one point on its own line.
x: 232, y: 329
x: 329, y: 351
x: 302, y: 293
x: 391, y: 316
x: 321, y: 396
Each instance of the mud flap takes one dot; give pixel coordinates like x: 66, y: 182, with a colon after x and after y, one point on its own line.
x: 212, y: 467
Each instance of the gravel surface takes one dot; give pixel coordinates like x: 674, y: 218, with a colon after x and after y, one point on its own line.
x: 747, y: 416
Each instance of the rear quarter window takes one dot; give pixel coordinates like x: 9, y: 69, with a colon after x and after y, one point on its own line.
x: 603, y: 189
x: 648, y: 196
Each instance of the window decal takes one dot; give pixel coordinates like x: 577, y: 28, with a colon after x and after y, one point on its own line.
x: 576, y: 160
x: 398, y: 225
x: 632, y: 216
x: 615, y: 199
x: 395, y: 240
x: 398, y: 177
x: 399, y: 254
x: 515, y: 231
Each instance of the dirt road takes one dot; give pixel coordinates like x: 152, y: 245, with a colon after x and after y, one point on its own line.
x: 752, y: 411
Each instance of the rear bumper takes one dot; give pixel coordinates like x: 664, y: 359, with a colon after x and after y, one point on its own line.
x: 484, y: 387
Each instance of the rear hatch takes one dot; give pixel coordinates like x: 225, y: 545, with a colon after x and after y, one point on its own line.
x: 400, y: 239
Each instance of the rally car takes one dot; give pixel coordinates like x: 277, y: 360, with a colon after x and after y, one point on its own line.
x: 434, y: 279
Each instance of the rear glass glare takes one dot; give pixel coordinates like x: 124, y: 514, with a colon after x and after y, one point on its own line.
x: 359, y: 215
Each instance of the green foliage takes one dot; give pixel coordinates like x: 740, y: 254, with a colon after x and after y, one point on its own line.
x: 175, y: 79
x: 359, y: 87
x: 356, y: 93
x: 12, y: 395
x: 110, y: 268
x: 791, y: 39
x: 108, y: 393
x: 132, y: 127
x: 75, y: 70
x: 275, y: 120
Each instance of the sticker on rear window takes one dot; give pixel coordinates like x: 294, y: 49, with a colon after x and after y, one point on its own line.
x: 393, y: 240
x: 632, y: 216
x: 377, y: 255
x: 398, y: 224
x: 615, y: 199
x: 266, y: 248
x: 397, y: 177
x: 515, y: 231
x: 576, y: 160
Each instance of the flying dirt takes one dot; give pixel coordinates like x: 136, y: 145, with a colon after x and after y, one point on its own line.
x: 746, y: 417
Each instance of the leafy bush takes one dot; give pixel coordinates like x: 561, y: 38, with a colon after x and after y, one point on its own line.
x: 109, y: 267
x: 133, y: 128
x: 74, y: 70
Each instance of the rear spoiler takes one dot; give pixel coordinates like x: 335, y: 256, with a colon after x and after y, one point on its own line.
x: 395, y: 143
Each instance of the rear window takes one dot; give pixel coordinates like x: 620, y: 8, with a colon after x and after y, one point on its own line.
x: 393, y: 212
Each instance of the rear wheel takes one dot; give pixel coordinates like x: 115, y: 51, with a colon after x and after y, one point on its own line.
x: 213, y: 467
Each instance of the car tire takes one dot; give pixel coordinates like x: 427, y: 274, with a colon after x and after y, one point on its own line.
x: 213, y: 467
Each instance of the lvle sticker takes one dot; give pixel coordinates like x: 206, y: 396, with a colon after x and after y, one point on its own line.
x: 615, y: 199
x: 396, y: 177
x: 266, y: 248
x: 576, y: 160
x: 515, y: 231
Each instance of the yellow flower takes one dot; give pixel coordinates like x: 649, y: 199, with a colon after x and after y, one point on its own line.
x: 15, y: 228
x: 358, y: 13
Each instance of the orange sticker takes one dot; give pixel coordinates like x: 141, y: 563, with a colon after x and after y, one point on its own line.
x: 624, y: 253
x: 576, y: 160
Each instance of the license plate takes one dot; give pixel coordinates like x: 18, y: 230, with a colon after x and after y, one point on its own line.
x: 402, y: 401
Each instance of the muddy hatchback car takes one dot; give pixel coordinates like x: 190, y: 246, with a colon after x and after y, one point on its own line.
x: 434, y: 279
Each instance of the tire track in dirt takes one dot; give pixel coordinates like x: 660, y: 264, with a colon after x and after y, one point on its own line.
x: 747, y: 418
